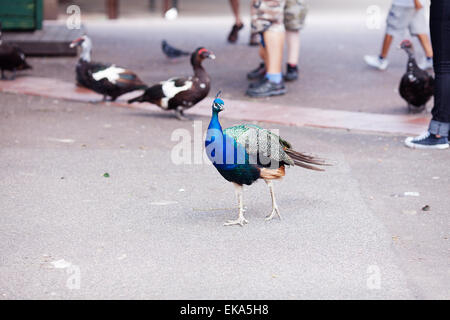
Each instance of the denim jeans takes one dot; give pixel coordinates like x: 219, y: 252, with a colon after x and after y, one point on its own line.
x: 440, y: 38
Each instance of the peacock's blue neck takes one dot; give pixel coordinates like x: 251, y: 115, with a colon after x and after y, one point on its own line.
x: 214, y: 123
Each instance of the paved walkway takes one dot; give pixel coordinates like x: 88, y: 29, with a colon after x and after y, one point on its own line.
x: 242, y: 110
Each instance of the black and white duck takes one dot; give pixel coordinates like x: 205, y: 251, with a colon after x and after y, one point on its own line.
x: 108, y: 80
x: 12, y: 58
x: 179, y: 94
x: 416, y: 85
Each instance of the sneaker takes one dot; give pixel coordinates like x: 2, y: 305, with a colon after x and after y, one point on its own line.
x: 376, y: 62
x: 255, y: 39
x: 291, y: 73
x: 233, y: 36
x: 427, y: 141
x: 266, y: 88
x: 426, y: 64
x: 257, y: 73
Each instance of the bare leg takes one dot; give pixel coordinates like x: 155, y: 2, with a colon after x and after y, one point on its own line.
x: 240, y: 220
x: 293, y: 46
x: 263, y: 54
x: 386, y: 45
x: 235, y: 8
x: 274, y: 41
x: 426, y: 44
x: 275, y: 209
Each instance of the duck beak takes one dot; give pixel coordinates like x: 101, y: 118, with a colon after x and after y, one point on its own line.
x: 76, y: 42
x: 212, y: 56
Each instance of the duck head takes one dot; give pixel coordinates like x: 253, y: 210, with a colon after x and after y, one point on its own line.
x: 407, y: 46
x: 86, y: 46
x: 201, y: 54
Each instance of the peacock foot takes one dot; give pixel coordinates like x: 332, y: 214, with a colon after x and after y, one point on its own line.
x: 240, y: 221
x: 275, y: 211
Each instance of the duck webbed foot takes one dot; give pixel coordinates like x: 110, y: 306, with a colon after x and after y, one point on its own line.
x: 180, y: 114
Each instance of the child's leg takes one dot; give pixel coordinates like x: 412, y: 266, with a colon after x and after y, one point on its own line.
x: 426, y: 44
x: 293, y: 46
x: 386, y: 45
x: 274, y: 41
x: 419, y: 27
x: 235, y: 8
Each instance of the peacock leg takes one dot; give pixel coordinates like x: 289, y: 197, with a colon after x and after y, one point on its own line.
x: 240, y: 220
x: 275, y: 209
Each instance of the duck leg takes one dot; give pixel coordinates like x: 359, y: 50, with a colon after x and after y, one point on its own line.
x: 275, y: 210
x: 3, y: 75
x: 240, y: 220
x: 180, y: 114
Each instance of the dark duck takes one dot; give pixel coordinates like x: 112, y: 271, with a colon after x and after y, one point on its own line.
x: 246, y: 153
x: 179, y: 94
x: 172, y: 52
x: 12, y: 58
x: 106, y: 79
x: 416, y: 85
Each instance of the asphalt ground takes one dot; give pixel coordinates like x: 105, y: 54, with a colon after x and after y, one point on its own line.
x: 153, y: 229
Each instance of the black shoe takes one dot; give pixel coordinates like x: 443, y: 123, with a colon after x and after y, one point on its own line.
x: 266, y: 88
x: 258, y: 73
x: 233, y: 36
x: 291, y: 73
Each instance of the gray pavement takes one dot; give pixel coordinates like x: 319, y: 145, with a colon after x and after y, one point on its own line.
x: 334, y: 41
x: 154, y: 229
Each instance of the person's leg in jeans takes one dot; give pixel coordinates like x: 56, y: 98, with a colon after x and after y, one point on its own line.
x: 437, y: 135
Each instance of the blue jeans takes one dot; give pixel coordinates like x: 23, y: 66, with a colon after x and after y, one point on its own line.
x: 440, y: 39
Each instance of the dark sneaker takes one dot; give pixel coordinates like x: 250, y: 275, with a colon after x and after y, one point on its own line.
x: 427, y: 141
x: 266, y: 88
x: 291, y: 73
x: 255, y: 39
x: 233, y: 36
x: 258, y: 73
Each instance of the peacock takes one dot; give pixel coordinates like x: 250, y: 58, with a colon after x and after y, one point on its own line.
x: 245, y: 153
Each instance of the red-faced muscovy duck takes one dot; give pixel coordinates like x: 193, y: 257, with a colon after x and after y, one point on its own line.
x: 107, y: 79
x: 12, y: 58
x: 416, y: 85
x: 179, y: 94
x: 172, y: 52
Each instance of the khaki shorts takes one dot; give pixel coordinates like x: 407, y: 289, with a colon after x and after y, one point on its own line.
x: 402, y: 18
x: 278, y: 15
x: 295, y: 13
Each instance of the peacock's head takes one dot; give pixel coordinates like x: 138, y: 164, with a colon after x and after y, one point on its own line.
x: 218, y: 103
